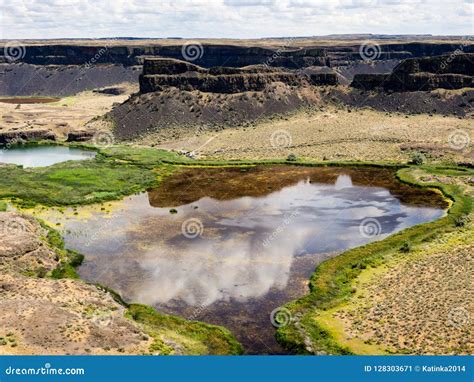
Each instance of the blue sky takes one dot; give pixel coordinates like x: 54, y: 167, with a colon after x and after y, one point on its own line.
x: 231, y: 18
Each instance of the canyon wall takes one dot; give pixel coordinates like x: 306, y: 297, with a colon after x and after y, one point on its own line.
x: 453, y: 71
x: 159, y: 74
x: 209, y: 55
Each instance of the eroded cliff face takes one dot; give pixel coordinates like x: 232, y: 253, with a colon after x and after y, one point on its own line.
x: 345, y: 55
x: 209, y: 55
x: 21, y: 79
x: 62, y: 68
x: 159, y: 74
x: 454, y: 71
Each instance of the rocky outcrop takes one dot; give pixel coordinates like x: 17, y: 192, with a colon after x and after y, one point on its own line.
x: 454, y: 71
x: 450, y: 103
x: 162, y: 73
x: 11, y: 137
x: 21, y: 249
x: 159, y: 74
x: 166, y: 66
x: 323, y: 79
x: 369, y: 81
x: 42, y: 315
x: 449, y: 72
x: 228, y: 83
x: 80, y: 136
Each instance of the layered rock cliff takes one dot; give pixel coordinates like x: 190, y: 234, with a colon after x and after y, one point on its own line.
x: 209, y: 55
x: 453, y: 71
x: 159, y: 74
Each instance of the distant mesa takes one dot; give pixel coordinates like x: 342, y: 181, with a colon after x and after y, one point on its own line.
x: 161, y: 73
x: 453, y: 71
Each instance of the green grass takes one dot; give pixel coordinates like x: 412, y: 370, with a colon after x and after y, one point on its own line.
x: 69, y: 260
x: 123, y: 170
x: 331, y: 283
x: 68, y: 265
x: 115, y: 172
x: 142, y: 156
x: 194, y: 337
x: 74, y: 182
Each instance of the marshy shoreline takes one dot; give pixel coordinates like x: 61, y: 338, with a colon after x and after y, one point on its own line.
x: 120, y: 171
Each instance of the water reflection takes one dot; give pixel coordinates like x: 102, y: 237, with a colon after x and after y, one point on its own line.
x: 248, y: 244
x: 250, y: 254
x: 40, y: 156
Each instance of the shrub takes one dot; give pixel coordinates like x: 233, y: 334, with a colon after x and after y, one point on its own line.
x: 406, y: 247
x: 417, y: 159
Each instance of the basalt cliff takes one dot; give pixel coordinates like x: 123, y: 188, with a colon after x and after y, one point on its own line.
x: 453, y: 71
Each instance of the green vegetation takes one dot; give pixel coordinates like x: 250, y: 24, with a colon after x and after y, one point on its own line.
x: 123, y: 170
x: 417, y: 159
x: 331, y: 283
x: 115, y: 172
x: 69, y: 260
x: 76, y: 182
x: 195, y: 337
x: 68, y: 265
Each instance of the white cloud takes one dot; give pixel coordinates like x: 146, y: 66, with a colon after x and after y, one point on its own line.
x: 231, y: 18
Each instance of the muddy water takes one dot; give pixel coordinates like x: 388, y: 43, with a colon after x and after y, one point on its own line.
x: 227, y: 246
x: 29, y: 100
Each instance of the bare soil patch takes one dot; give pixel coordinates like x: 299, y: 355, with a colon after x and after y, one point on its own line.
x: 79, y: 112
x: 330, y: 133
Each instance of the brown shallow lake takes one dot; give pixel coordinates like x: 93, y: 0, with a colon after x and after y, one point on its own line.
x: 28, y: 100
x: 229, y: 245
